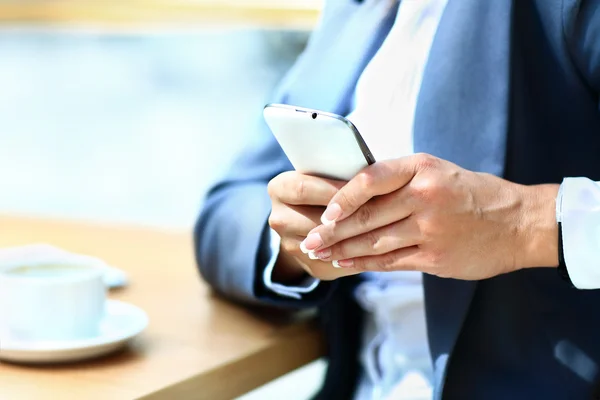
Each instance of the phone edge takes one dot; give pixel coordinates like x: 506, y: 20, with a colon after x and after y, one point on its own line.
x: 366, y: 152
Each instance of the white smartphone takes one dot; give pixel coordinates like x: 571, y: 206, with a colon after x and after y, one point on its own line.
x: 318, y: 143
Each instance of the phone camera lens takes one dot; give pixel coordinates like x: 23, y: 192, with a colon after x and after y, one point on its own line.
x: 314, y: 115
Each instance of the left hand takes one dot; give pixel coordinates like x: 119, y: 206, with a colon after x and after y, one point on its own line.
x: 423, y: 213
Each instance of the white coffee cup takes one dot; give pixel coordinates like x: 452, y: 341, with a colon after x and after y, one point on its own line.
x: 50, y: 301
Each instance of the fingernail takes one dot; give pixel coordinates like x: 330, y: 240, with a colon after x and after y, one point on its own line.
x: 324, y: 254
x: 312, y: 242
x: 336, y: 264
x: 345, y: 263
x: 312, y: 256
x: 333, y: 212
x: 303, y: 248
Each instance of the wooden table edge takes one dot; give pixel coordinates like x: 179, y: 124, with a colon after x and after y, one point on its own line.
x: 290, y: 349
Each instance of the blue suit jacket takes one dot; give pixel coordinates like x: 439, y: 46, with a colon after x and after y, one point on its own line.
x: 511, y: 88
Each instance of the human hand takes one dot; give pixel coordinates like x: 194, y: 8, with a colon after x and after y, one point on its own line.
x: 298, y: 201
x: 423, y: 213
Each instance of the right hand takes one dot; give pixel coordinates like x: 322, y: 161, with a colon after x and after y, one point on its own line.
x: 298, y: 201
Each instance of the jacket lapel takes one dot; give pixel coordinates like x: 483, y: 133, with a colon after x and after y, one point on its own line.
x: 462, y: 116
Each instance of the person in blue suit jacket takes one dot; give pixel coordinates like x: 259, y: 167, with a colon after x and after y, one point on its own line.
x: 498, y: 207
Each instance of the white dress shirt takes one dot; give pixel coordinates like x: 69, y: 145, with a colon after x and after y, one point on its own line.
x: 395, y: 355
x: 578, y: 210
x: 395, y: 350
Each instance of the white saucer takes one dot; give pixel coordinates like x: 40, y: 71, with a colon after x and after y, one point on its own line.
x: 122, y: 322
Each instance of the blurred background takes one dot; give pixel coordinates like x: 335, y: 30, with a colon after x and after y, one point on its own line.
x: 124, y: 111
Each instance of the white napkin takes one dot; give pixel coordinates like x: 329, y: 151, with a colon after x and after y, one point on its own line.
x: 44, y: 253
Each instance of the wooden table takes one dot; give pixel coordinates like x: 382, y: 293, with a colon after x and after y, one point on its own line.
x: 197, y: 345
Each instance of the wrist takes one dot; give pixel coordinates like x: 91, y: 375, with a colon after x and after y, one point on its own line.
x: 538, y: 235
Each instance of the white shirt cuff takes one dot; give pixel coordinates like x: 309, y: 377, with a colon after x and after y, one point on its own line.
x: 306, y: 286
x: 578, y: 210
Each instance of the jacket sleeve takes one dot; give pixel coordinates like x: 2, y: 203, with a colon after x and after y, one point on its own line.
x: 231, y: 234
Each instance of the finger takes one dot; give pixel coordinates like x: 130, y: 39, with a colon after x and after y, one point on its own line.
x: 295, y: 221
x: 405, y: 233
x: 376, y: 213
x: 405, y: 259
x: 375, y: 180
x: 291, y: 245
x: 298, y: 189
x: 315, y: 268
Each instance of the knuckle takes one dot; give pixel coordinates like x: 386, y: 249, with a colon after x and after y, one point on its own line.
x: 426, y: 161
x: 372, y: 240
x: 272, y: 187
x: 344, y: 198
x: 364, y: 215
x: 382, y: 263
x: 361, y: 265
x: 300, y: 189
x: 386, y: 262
x: 426, y: 189
x: 366, y: 180
x: 276, y: 222
x: 288, y: 185
x: 339, y: 251
x: 278, y: 183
